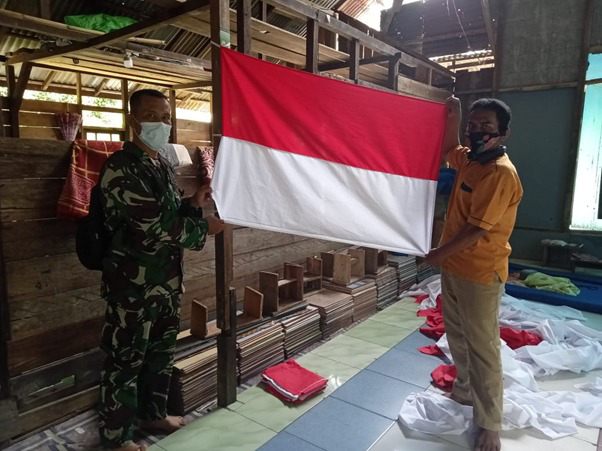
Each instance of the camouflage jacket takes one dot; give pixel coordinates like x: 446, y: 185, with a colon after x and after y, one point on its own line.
x: 150, y: 225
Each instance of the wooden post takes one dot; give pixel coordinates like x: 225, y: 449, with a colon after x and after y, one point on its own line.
x: 226, y: 361
x: 10, y: 82
x: 125, y: 97
x: 78, y: 94
x: 311, y: 46
x: 579, y: 105
x: 174, y: 119
x: 394, y: 71
x: 263, y: 15
x: 16, y: 91
x: 243, y: 26
x: 45, y: 9
x: 354, y: 61
x: 4, y: 320
x: 225, y: 301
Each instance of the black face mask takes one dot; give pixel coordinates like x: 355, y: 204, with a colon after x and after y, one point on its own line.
x: 478, y: 140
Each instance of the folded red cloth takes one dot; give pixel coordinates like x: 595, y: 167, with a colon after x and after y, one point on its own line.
x: 291, y: 382
x: 444, y: 377
x: 87, y: 158
x: 432, y: 350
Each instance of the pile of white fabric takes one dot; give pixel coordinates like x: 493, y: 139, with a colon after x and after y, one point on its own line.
x: 567, y: 345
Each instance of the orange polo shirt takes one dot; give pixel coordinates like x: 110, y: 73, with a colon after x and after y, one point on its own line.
x: 487, y: 196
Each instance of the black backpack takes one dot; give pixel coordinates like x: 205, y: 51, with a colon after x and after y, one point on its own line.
x: 92, y: 239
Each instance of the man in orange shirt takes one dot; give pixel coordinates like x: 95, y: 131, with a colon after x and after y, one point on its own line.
x: 474, y: 254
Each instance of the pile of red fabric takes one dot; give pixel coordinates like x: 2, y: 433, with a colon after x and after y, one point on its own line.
x: 87, y: 158
x: 291, y: 382
x: 445, y: 375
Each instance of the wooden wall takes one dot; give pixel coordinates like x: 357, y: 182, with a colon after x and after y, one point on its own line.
x: 37, y: 121
x: 55, y: 312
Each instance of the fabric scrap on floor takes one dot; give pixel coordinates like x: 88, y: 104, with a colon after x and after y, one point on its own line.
x: 547, y: 339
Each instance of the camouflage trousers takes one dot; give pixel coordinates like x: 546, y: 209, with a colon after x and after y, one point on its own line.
x: 139, y: 339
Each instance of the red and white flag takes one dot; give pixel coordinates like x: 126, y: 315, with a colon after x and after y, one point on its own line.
x: 317, y: 157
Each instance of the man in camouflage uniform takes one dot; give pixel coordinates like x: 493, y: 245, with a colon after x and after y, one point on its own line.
x: 150, y: 225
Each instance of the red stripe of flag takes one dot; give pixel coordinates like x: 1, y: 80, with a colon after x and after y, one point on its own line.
x: 283, y: 109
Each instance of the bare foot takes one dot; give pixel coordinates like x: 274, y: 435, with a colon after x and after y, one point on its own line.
x: 131, y: 446
x: 168, y: 424
x: 488, y: 441
x: 459, y: 400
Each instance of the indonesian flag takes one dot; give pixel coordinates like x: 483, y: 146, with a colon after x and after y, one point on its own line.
x: 321, y: 158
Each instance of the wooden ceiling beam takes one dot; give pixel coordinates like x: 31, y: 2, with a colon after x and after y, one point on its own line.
x: 100, y: 87
x: 333, y: 24
x: 193, y: 85
x: 12, y: 19
x: 136, y: 29
x: 189, y: 61
x: 48, y: 80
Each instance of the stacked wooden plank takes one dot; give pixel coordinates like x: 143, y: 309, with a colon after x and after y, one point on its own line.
x: 425, y: 271
x: 364, y: 294
x: 301, y: 330
x: 387, y: 285
x: 259, y: 348
x: 406, y: 270
x: 336, y: 310
x: 194, y: 381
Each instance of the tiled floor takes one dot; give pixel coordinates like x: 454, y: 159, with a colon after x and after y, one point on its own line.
x: 371, y: 368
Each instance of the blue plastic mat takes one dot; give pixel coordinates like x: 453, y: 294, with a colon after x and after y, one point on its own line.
x: 589, y: 300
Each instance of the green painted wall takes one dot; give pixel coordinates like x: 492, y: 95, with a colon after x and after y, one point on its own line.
x: 540, y: 146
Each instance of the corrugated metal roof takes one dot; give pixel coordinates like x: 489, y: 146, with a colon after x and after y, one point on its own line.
x: 459, y: 23
x: 176, y: 40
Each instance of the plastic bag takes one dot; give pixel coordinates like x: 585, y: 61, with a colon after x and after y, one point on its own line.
x: 99, y: 22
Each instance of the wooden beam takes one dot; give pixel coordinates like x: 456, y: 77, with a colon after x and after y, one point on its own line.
x: 101, y: 86
x: 243, y: 26
x: 226, y: 357
x: 136, y: 29
x: 189, y: 61
x: 12, y: 19
x: 333, y: 24
x: 586, y: 38
x: 354, y: 60
x: 364, y: 61
x: 125, y: 106
x: 48, y: 80
x: 78, y: 89
x: 488, y: 23
x: 311, y: 46
x: 193, y: 85
x: 101, y: 73
x: 16, y: 96
x: 226, y: 312
x: 4, y: 319
x: 263, y: 16
x: 174, y: 120
x: 394, y: 71
x: 45, y: 9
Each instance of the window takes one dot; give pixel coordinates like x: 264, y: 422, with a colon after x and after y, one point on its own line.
x: 587, y: 197
x: 103, y: 136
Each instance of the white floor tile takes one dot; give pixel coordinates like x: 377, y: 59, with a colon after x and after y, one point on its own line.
x: 398, y: 438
